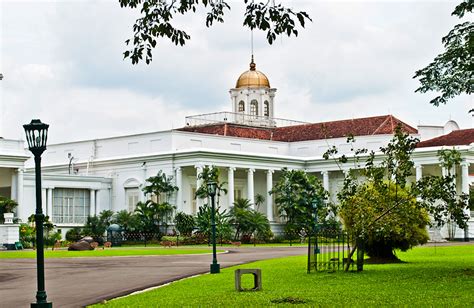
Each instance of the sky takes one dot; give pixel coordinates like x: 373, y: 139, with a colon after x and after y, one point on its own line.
x: 62, y: 62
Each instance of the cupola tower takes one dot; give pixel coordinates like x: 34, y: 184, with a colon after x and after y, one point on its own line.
x: 253, y: 97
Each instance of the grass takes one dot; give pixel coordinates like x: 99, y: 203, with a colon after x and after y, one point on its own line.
x: 432, y: 276
x: 112, y: 252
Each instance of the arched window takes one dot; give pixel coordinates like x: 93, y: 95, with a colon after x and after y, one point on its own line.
x: 266, y: 109
x: 254, y: 107
x: 241, y: 107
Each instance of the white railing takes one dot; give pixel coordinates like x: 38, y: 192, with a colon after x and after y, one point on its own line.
x: 238, y: 118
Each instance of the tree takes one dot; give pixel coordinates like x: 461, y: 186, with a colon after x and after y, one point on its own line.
x: 378, y: 204
x: 452, y: 72
x: 403, y: 229
x: 155, y: 215
x: 439, y: 195
x: 160, y: 185
x: 156, y: 19
x: 299, y: 197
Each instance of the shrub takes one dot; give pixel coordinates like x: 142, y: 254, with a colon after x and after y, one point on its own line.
x: 27, y: 235
x: 184, y: 223
x: 73, y: 235
x: 51, y: 238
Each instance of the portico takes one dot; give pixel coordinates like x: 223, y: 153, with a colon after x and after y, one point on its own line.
x: 12, y: 159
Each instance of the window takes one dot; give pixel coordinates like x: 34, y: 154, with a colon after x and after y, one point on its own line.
x: 132, y: 196
x: 266, y: 109
x: 241, y: 106
x: 254, y: 107
x: 70, y: 206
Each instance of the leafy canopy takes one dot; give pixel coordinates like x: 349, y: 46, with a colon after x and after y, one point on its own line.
x: 299, y: 196
x: 452, y: 72
x: 156, y: 21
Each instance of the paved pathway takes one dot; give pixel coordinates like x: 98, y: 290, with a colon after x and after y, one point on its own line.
x: 76, y: 282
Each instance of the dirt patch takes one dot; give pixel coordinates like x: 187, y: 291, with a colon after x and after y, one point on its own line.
x: 468, y: 271
x: 374, y: 260
x: 289, y: 300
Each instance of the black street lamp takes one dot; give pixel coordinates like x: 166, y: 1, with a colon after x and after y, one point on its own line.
x: 36, y: 136
x: 211, y: 189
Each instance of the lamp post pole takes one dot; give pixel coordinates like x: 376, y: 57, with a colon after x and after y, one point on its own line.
x: 215, y: 267
x: 36, y: 136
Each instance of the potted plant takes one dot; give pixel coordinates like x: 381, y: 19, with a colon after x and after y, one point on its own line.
x: 7, y: 206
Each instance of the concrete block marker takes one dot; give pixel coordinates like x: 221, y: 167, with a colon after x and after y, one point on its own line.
x: 257, y: 279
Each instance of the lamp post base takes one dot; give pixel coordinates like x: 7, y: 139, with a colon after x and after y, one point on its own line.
x: 42, y: 305
x: 215, y: 268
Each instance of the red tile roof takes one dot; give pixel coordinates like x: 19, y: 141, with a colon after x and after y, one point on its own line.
x: 378, y: 125
x: 457, y: 137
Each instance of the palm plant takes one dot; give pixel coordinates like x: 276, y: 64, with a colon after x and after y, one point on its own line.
x: 160, y: 185
x: 154, y: 216
x: 209, y: 174
x: 126, y: 220
x: 259, y: 199
x: 248, y: 222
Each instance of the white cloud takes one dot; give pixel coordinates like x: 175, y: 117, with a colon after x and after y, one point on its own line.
x: 63, y: 63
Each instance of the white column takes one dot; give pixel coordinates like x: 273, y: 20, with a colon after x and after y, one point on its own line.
x: 269, y: 196
x: 444, y: 171
x: 198, y: 184
x: 230, y: 185
x: 21, y: 211
x: 97, y: 201
x: 142, y: 195
x: 49, y: 206
x: 250, y: 187
x: 465, y: 190
x: 43, y: 199
x: 325, y: 180
x: 465, y: 177
x: 179, y: 193
x: 326, y: 183
x: 14, y: 186
x: 92, y: 203
x: 418, y: 171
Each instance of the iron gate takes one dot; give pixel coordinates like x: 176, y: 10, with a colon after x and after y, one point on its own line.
x: 329, y: 249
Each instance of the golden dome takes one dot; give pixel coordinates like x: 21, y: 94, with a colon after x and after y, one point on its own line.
x: 252, y: 78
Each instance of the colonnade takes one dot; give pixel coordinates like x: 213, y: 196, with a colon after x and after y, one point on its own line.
x: 231, y: 187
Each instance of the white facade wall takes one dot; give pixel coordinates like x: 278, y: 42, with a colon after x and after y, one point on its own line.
x: 110, y: 166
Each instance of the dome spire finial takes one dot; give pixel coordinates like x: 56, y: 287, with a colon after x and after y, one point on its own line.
x: 252, y: 64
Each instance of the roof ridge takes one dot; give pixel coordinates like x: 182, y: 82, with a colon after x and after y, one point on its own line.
x: 381, y: 125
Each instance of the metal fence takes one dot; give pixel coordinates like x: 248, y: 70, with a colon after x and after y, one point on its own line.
x: 329, y: 250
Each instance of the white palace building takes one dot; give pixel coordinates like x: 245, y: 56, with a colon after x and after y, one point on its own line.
x: 248, y: 145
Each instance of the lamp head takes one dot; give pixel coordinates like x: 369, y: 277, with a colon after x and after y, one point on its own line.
x: 211, y: 188
x: 36, y: 136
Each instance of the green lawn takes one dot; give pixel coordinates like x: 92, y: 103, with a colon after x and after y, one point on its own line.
x: 111, y: 252
x: 441, y: 277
